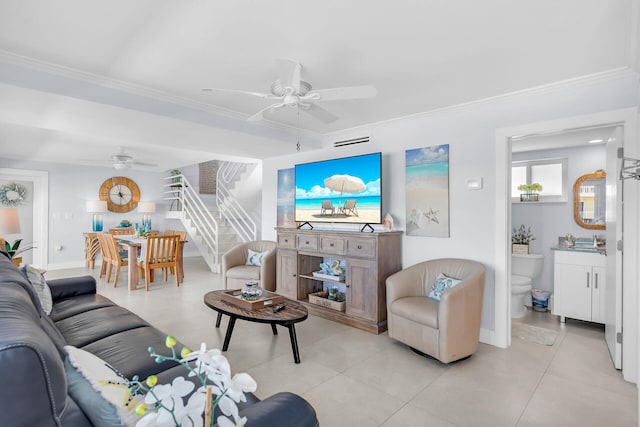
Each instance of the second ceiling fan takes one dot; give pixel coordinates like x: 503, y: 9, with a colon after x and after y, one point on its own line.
x: 291, y: 90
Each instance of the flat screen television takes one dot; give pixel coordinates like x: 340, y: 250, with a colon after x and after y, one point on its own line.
x: 345, y: 190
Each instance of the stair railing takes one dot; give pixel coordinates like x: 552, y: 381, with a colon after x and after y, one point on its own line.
x: 229, y: 207
x: 194, y: 209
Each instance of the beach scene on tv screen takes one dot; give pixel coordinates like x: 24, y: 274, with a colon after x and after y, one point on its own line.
x: 339, y: 190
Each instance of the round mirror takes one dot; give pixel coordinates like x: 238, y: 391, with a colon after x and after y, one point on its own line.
x: 589, y: 200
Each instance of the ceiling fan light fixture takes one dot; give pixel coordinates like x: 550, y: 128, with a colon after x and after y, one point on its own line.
x: 120, y: 166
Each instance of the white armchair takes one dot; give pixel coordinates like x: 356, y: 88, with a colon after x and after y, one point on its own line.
x: 235, y: 271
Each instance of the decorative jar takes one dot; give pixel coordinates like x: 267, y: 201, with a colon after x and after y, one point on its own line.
x: 251, y: 291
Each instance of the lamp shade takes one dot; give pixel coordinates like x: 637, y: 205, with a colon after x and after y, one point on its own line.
x: 96, y: 206
x: 146, y: 207
x: 9, y: 221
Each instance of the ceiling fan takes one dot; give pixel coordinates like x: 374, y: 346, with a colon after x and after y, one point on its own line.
x: 122, y: 160
x: 291, y: 90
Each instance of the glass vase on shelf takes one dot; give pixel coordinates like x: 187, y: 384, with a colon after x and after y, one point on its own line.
x: 252, y: 290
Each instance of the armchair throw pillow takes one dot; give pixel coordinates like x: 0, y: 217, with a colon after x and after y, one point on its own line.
x: 441, y: 285
x: 255, y: 258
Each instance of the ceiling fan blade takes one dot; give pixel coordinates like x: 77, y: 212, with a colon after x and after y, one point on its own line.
x: 289, y: 73
x: 260, y: 114
x: 144, y: 163
x: 320, y: 113
x: 242, y: 92
x: 350, y: 92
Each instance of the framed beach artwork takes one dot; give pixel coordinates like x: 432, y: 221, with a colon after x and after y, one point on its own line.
x: 427, y: 191
x: 286, y: 198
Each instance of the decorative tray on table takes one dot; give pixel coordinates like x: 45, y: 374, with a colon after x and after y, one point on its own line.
x: 267, y: 299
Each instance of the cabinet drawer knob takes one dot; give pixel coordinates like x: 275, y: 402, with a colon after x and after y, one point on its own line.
x: 359, y: 246
x: 331, y: 244
x: 286, y: 240
x: 306, y: 243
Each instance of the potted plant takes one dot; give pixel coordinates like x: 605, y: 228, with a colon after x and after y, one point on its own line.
x: 530, y: 192
x: 15, y: 249
x: 520, y: 240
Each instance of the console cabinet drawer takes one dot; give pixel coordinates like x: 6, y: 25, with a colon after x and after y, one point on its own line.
x: 332, y: 245
x: 361, y: 247
x: 309, y: 243
x: 287, y: 241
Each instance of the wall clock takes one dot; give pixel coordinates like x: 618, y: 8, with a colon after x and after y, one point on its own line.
x: 120, y: 193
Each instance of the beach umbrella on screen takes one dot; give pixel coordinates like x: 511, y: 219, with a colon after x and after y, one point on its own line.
x: 344, y: 184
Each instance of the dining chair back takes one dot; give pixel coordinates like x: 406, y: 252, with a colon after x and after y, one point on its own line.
x: 161, y: 252
x: 105, y: 263
x: 115, y: 258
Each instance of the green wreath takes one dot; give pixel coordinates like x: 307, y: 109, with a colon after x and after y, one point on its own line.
x: 12, y: 194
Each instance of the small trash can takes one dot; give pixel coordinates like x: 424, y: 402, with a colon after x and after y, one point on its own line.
x: 539, y: 299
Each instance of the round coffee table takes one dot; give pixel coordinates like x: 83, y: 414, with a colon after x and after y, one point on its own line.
x: 293, y: 313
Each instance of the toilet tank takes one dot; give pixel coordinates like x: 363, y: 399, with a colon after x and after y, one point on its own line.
x: 527, y: 265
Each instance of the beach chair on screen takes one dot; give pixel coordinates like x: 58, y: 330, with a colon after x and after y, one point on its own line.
x: 349, y: 207
x: 327, y: 206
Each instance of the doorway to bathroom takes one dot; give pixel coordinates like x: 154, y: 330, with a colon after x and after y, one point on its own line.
x: 537, y: 140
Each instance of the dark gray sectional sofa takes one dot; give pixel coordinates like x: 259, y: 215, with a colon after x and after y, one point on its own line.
x: 34, y: 388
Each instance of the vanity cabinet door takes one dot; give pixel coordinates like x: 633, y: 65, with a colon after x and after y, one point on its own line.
x: 287, y: 274
x: 598, y: 301
x: 572, y: 285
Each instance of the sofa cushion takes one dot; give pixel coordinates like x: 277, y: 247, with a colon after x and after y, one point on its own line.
x: 418, y: 309
x: 128, y: 351
x: 36, y: 278
x: 99, y: 390
x: 34, y: 388
x: 72, y: 306
x: 93, y: 325
x: 248, y: 272
x: 11, y: 274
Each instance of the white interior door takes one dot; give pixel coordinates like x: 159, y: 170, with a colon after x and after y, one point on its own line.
x: 613, y: 234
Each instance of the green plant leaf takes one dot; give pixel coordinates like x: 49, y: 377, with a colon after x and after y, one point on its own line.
x: 16, y: 245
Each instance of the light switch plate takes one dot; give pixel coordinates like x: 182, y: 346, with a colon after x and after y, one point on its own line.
x: 474, y: 183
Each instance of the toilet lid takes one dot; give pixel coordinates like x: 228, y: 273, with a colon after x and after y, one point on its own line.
x: 520, y: 280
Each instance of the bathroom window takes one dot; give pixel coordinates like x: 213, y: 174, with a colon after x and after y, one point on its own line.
x: 550, y: 173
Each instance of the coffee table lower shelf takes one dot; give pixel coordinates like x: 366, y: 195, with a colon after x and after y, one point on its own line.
x: 345, y: 319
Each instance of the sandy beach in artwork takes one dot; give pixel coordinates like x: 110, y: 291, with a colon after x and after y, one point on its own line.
x: 427, y: 212
x: 371, y: 216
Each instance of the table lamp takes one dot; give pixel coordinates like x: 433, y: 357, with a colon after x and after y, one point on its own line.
x: 97, y: 208
x: 146, y: 209
x: 9, y: 223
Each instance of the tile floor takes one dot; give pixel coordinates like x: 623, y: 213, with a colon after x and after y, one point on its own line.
x: 354, y: 378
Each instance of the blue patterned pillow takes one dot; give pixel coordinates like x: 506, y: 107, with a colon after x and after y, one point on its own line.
x: 255, y: 258
x: 441, y: 285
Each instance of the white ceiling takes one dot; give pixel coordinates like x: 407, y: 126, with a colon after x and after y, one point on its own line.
x: 79, y: 78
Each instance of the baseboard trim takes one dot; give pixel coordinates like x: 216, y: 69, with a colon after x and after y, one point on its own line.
x: 64, y: 265
x: 488, y: 337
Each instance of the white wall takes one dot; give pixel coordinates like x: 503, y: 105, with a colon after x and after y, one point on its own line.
x: 470, y: 131
x: 548, y: 221
x: 70, y: 187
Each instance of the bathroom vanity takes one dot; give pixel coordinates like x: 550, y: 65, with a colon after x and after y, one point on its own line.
x: 579, y: 282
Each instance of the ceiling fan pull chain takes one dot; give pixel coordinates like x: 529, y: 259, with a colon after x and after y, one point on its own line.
x: 298, y: 143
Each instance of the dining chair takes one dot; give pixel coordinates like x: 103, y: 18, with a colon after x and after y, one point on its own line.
x: 105, y: 263
x: 115, y: 258
x: 160, y: 252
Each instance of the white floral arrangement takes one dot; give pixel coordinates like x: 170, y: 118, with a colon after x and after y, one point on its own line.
x: 164, y: 404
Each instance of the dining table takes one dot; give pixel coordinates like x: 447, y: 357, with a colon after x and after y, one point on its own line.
x: 136, y: 247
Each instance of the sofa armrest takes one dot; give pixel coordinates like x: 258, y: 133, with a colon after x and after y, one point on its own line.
x: 281, y: 410
x: 71, y: 287
x: 235, y: 256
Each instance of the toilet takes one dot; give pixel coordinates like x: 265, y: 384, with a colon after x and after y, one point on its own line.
x: 524, y: 269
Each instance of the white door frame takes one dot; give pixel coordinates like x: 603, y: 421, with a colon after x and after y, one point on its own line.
x: 40, y: 180
x: 628, y: 119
